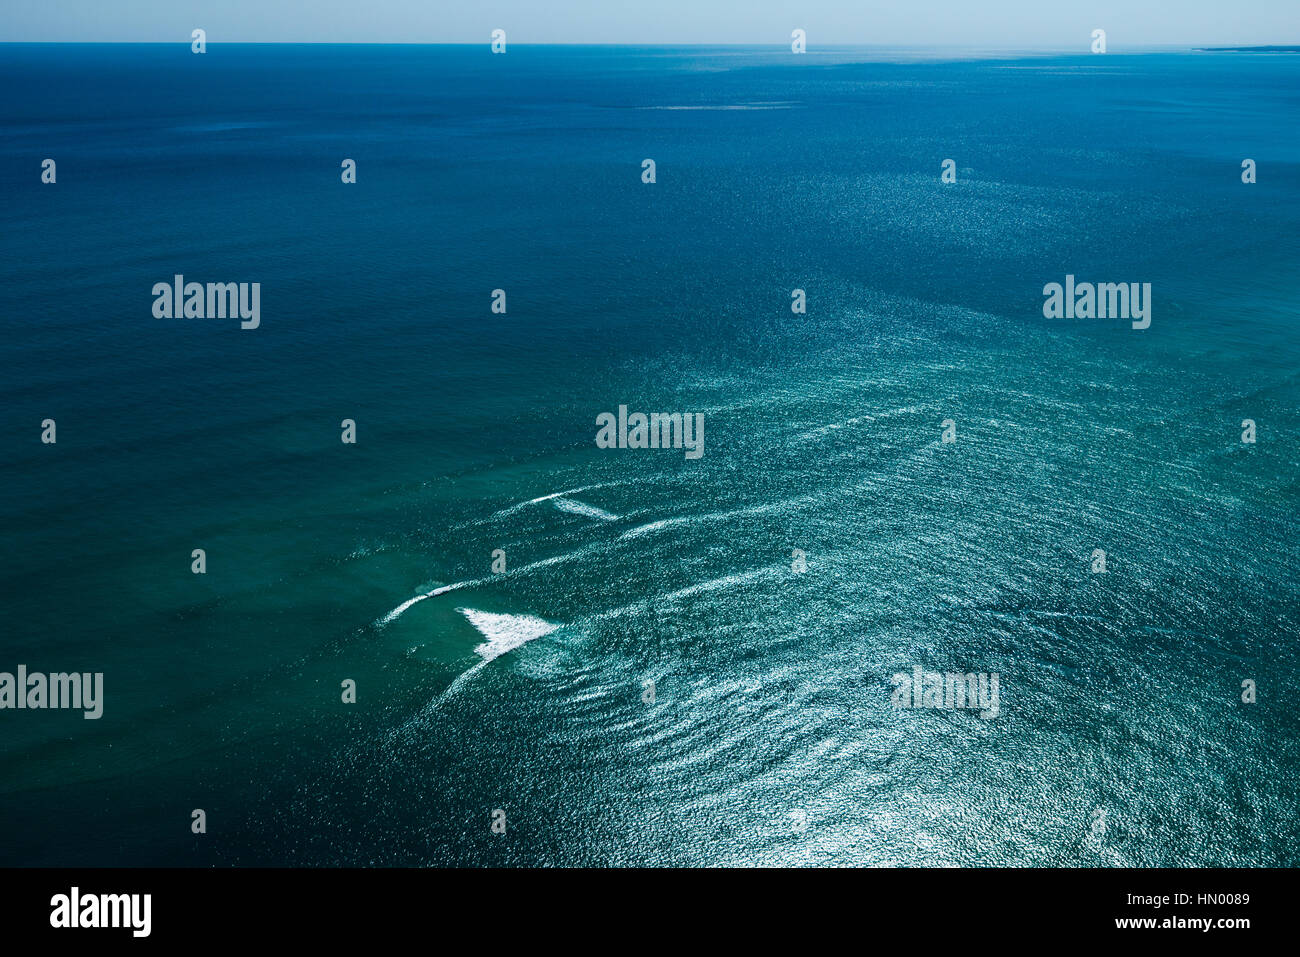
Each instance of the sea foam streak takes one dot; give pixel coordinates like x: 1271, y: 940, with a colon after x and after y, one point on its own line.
x: 546, y: 498
x: 440, y: 590
x: 716, y: 516
x: 582, y: 508
x: 506, y: 632
x: 503, y: 633
x: 521, y: 570
x: 777, y: 572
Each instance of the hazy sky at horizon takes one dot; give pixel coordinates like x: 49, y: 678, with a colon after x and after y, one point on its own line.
x: 1007, y: 24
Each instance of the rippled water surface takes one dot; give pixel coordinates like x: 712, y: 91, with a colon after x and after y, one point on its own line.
x: 771, y: 736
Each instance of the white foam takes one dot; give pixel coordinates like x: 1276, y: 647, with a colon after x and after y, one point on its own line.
x: 580, y: 553
x: 833, y: 427
x: 715, y: 516
x: 582, y: 508
x: 727, y: 581
x: 505, y: 632
x: 440, y: 590
x: 546, y: 498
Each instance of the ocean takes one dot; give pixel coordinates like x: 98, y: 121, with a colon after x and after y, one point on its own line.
x: 676, y: 661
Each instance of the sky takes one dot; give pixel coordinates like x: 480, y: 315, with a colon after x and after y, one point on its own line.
x: 1001, y: 24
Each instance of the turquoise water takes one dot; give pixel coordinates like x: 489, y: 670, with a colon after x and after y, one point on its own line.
x: 1120, y: 693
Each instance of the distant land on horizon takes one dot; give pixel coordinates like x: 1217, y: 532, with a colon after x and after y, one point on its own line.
x: 1265, y: 49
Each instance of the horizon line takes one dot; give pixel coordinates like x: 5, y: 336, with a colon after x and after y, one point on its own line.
x: 670, y: 44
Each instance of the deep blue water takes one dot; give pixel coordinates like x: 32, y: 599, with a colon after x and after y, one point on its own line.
x: 1121, y: 693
